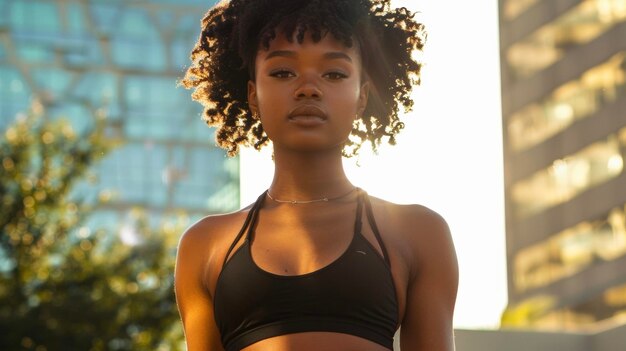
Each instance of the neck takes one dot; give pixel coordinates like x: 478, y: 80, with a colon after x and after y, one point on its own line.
x: 299, y: 176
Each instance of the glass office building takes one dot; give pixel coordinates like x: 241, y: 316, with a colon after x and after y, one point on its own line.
x: 564, y: 124
x: 121, y: 58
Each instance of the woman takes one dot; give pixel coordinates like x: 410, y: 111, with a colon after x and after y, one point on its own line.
x: 315, y: 263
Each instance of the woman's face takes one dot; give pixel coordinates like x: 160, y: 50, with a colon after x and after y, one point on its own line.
x: 308, y: 94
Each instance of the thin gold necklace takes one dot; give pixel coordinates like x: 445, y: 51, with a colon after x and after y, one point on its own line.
x: 297, y: 202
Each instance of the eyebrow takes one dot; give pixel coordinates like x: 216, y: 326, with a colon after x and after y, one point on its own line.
x: 333, y: 55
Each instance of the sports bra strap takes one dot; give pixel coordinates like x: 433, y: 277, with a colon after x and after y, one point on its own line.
x: 246, y: 224
x: 255, y: 218
x: 372, y: 222
x: 361, y: 197
x: 359, y: 211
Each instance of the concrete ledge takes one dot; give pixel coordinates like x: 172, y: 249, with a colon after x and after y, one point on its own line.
x: 514, y: 340
x: 611, y: 339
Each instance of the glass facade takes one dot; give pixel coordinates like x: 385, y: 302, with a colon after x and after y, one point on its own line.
x: 121, y: 59
x: 580, y: 25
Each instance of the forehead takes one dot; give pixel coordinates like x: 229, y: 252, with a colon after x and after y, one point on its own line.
x: 328, y: 43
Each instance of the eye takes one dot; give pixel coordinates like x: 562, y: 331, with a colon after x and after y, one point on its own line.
x: 281, y: 73
x: 336, y: 75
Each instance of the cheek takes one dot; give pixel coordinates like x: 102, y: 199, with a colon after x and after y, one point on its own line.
x: 347, y: 98
x: 344, y: 106
x: 268, y: 94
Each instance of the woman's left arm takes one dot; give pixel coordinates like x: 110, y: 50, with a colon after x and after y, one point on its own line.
x: 432, y: 287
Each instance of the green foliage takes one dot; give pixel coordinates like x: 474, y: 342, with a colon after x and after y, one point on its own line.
x: 526, y: 313
x: 64, y: 286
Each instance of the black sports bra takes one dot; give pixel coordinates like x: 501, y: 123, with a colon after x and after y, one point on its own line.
x: 354, y: 294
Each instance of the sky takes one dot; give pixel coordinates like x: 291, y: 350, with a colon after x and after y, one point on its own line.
x: 449, y: 156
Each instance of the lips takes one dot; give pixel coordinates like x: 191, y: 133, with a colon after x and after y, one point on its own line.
x: 307, y: 112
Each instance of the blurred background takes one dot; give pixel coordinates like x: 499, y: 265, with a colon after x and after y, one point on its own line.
x: 517, y: 138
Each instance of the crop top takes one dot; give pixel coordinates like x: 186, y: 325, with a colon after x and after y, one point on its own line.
x: 355, y: 294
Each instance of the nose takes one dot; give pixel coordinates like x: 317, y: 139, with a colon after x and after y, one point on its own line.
x: 308, y: 89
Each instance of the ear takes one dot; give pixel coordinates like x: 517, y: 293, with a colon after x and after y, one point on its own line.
x: 253, y: 103
x: 363, y: 96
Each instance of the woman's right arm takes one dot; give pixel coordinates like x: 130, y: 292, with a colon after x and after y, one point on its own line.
x: 192, y: 296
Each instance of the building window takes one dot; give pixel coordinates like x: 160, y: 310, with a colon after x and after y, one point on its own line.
x: 580, y: 25
x: 610, y: 304
x: 41, y: 17
x: 569, y: 176
x: 514, y: 8
x: 571, y: 251
x: 14, y: 94
x: 578, y: 99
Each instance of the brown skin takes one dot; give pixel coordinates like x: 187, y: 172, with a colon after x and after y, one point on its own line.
x: 298, y: 239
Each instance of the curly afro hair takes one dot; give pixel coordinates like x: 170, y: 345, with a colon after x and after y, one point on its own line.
x: 233, y: 31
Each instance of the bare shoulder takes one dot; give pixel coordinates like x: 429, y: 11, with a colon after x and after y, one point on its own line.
x: 421, y: 233
x: 204, y: 244
x: 212, y: 229
x: 412, y: 221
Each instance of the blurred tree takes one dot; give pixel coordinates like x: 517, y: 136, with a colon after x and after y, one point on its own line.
x: 64, y: 286
x: 527, y: 312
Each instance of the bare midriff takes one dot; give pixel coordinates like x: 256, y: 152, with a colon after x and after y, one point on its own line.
x: 315, y: 341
